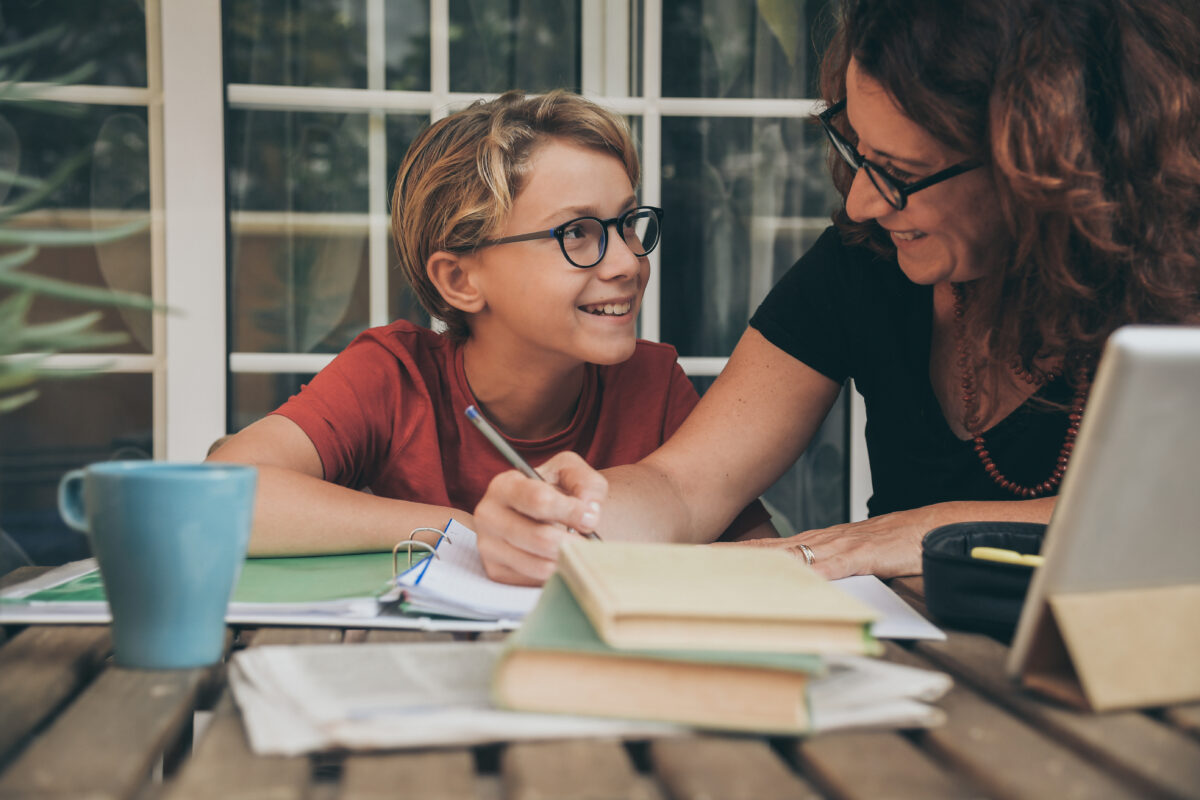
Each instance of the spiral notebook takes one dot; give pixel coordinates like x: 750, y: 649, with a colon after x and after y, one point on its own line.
x: 453, y: 583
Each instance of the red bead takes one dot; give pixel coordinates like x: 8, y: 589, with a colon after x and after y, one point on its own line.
x: 1030, y: 376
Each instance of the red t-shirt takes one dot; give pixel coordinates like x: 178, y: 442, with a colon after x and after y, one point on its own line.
x: 387, y: 414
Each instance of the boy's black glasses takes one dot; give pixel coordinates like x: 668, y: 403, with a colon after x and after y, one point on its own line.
x: 584, y: 240
x: 894, y: 190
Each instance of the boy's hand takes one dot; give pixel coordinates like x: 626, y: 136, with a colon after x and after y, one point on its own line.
x: 520, y: 522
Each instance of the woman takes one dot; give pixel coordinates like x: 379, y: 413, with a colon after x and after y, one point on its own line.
x: 1020, y: 178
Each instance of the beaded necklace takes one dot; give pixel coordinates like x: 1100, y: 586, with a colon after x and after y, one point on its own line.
x: 974, y: 425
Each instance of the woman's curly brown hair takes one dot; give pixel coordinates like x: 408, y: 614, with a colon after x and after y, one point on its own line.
x: 1088, y: 114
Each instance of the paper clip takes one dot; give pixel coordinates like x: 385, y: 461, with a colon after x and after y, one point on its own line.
x: 410, y: 543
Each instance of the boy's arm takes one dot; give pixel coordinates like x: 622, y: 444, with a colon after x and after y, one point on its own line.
x: 749, y: 427
x: 297, y: 512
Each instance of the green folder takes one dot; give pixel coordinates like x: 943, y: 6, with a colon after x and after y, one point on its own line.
x: 302, y: 579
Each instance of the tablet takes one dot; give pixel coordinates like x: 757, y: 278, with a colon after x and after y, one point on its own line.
x: 1128, y: 513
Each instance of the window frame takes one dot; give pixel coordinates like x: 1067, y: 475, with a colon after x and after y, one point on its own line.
x: 185, y: 100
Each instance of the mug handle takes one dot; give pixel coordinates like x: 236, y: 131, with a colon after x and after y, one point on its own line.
x: 70, y: 500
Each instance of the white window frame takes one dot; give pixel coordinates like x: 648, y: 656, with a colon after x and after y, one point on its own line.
x: 195, y: 397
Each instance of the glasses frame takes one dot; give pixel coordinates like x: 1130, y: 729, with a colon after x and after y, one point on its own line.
x: 849, y: 153
x: 559, y: 231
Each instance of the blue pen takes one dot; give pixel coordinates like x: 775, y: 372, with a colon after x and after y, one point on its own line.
x: 506, y: 450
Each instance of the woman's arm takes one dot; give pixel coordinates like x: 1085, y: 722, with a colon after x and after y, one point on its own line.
x: 749, y: 427
x: 890, y: 544
x: 297, y: 512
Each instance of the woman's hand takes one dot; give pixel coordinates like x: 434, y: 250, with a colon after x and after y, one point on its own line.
x: 521, y: 522
x: 890, y: 544
x: 882, y: 546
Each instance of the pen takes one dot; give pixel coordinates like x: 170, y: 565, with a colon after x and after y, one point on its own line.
x: 506, y: 450
x: 1007, y: 556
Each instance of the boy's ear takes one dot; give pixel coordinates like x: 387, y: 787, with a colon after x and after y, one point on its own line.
x: 453, y: 280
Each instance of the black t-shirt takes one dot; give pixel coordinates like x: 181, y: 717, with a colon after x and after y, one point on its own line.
x: 848, y: 312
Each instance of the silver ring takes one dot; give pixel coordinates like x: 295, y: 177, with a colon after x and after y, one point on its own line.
x: 809, y: 558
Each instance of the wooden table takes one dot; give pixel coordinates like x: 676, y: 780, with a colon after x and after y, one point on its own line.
x: 74, y: 725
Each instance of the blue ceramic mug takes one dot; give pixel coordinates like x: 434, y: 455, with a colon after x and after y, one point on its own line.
x: 170, y: 540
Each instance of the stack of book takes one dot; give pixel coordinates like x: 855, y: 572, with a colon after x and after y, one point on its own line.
x: 718, y: 638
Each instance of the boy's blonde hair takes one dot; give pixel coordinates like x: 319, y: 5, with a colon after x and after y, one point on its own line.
x: 460, y: 176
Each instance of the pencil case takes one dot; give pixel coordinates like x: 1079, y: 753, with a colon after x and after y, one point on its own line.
x: 973, y: 594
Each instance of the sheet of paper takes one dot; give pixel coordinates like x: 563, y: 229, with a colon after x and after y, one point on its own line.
x: 298, y: 699
x: 455, y: 582
x: 869, y: 692
x: 898, y: 619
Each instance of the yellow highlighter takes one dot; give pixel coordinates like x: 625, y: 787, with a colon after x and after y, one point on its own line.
x: 1007, y: 556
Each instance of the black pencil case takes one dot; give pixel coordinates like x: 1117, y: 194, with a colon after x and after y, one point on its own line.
x: 971, y: 593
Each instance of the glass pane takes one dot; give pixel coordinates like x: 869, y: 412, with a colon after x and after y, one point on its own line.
x: 296, y: 42
x: 407, y: 48
x: 743, y: 199
x: 813, y: 492
x: 255, y: 394
x: 73, y: 423
x: 522, y: 44
x: 111, y: 36
x: 298, y: 198
x: 110, y: 187
x: 714, y: 48
x: 402, y: 302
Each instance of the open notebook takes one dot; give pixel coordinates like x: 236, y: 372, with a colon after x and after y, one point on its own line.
x: 453, y: 583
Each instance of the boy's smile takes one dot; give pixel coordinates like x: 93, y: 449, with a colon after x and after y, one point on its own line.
x: 609, y: 309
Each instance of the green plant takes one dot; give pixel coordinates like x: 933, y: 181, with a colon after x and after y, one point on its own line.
x: 25, y: 346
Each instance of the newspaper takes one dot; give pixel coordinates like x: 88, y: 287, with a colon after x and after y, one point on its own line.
x: 306, y: 698
x: 309, y: 698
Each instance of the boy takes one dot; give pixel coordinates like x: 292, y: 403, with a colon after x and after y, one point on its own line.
x: 517, y: 225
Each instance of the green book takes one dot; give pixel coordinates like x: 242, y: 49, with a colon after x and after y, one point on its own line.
x: 555, y: 662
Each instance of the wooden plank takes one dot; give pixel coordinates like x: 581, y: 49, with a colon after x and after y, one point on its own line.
x: 703, y: 767
x: 40, y: 670
x: 871, y: 764
x: 106, y: 743
x: 1152, y: 756
x: 574, y: 769
x: 264, y: 636
x: 433, y: 775
x: 223, y: 765
x: 390, y: 635
x: 1005, y: 756
x: 1185, y: 717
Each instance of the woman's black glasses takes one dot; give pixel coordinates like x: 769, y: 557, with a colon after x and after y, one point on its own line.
x: 894, y: 190
x: 584, y: 240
